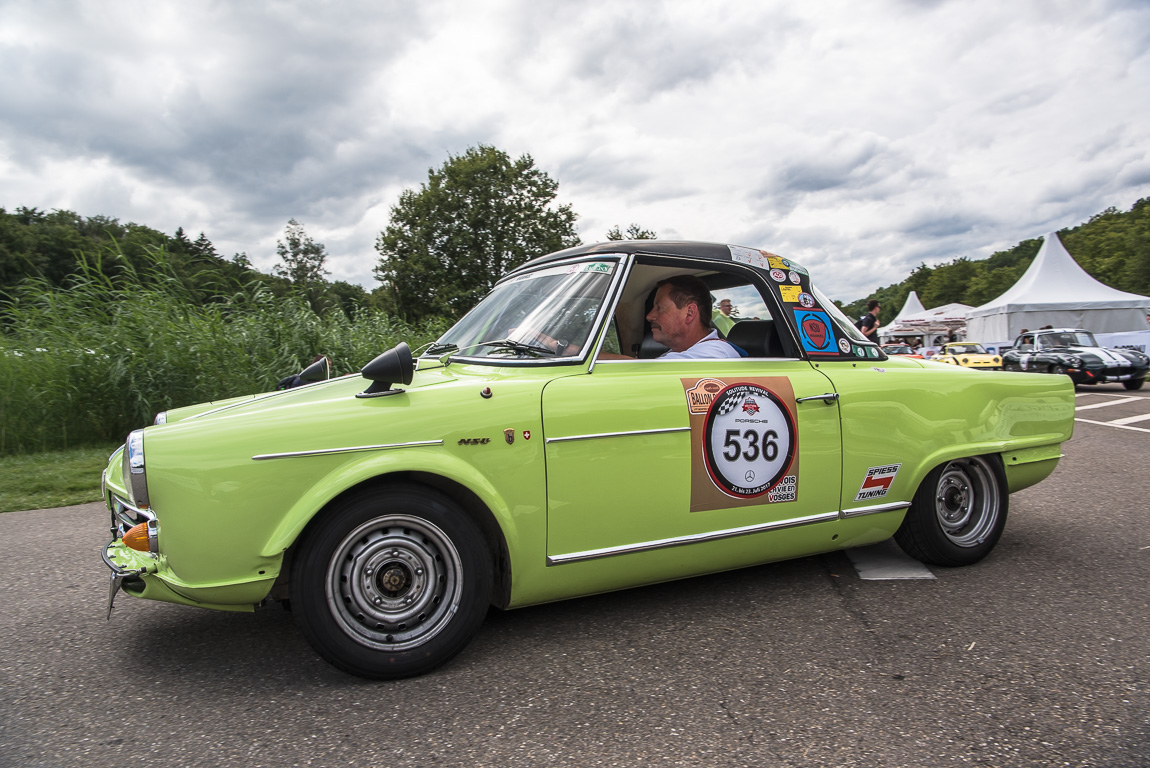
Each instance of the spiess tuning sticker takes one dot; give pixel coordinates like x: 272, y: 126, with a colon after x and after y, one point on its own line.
x: 748, y: 440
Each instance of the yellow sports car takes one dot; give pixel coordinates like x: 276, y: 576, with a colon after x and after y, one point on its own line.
x: 969, y: 355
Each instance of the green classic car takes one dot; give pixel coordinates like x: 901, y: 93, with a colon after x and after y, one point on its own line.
x: 390, y: 509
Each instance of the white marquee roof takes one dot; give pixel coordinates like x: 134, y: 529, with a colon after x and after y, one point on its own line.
x: 1054, y: 290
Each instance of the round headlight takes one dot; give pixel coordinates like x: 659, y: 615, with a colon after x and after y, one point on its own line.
x: 134, y: 471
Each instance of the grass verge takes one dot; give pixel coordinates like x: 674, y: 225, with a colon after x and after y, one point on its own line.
x: 51, y: 479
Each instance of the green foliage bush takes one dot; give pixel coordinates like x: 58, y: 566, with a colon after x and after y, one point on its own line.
x: 86, y: 363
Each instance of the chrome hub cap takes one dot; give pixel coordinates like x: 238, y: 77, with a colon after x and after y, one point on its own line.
x: 966, y: 501
x: 394, y: 582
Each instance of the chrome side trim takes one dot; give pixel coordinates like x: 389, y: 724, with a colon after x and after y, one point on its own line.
x: 349, y: 449
x: 695, y: 538
x: 860, y: 511
x: 617, y: 434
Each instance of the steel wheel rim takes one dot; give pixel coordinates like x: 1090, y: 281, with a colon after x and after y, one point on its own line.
x: 394, y: 582
x: 966, y: 501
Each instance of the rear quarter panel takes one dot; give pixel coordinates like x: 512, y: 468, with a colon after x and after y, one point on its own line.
x: 920, y: 414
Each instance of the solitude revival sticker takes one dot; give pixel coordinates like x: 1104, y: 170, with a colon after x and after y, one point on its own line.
x: 744, y: 442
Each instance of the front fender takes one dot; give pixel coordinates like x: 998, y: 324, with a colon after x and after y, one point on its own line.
x: 376, y: 465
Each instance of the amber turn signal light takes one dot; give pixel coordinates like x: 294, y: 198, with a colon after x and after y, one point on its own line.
x: 136, y: 537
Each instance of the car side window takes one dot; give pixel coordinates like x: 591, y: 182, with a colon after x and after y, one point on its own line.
x: 739, y: 311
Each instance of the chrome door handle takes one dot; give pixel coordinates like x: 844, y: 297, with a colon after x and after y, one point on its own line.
x: 828, y: 398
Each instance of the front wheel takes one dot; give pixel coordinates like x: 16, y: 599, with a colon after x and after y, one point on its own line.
x: 1133, y: 383
x: 391, y: 583
x: 958, y: 513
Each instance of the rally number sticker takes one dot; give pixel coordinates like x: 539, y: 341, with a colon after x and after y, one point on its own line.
x: 748, y: 440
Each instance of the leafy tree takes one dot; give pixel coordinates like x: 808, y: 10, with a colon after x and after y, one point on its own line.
x: 301, y: 258
x: 634, y: 232
x: 948, y: 284
x: 204, y: 249
x: 480, y: 214
x: 349, y: 297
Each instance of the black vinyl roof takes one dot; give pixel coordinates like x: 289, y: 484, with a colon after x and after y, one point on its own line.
x: 698, y: 250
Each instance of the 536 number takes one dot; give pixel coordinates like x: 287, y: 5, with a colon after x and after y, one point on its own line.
x: 733, y: 448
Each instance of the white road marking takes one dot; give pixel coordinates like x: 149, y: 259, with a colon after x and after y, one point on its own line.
x: 1119, y: 401
x: 1130, y: 420
x: 1112, y: 424
x: 884, y: 561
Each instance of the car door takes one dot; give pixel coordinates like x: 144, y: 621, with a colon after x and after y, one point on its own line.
x: 650, y: 454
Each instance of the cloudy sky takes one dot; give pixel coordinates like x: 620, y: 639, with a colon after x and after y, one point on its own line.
x: 860, y: 139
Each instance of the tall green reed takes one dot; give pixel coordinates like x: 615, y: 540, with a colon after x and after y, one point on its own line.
x: 86, y: 364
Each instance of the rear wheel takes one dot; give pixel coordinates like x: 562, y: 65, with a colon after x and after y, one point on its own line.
x: 958, y: 513
x: 391, y: 583
x: 1133, y: 383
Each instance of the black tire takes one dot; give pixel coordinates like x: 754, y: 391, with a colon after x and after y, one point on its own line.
x: 391, y: 583
x: 1133, y: 383
x: 958, y: 513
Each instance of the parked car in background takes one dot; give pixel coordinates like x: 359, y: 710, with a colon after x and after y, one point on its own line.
x: 510, y: 463
x: 968, y: 354
x: 903, y: 350
x: 1077, y: 354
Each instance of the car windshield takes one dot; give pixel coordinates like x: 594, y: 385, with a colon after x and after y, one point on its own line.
x: 897, y: 349
x: 966, y: 349
x: 843, y: 322
x: 525, y: 315
x: 1066, y: 339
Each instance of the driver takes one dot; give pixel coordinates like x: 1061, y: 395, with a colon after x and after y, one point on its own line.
x: 680, y: 319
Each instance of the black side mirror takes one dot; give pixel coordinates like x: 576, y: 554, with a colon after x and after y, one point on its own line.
x: 394, y: 365
x: 320, y: 370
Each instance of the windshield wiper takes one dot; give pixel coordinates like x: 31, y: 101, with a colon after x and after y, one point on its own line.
x: 517, y: 346
x: 436, y: 348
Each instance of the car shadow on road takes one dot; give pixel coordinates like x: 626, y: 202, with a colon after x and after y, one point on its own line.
x: 266, y: 650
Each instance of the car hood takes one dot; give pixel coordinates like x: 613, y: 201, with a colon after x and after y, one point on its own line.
x: 439, y: 403
x: 1103, y: 352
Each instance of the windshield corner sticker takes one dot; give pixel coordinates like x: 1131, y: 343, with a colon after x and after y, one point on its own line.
x: 605, y: 268
x: 763, y: 259
x: 792, y: 293
x: 877, y: 482
x: 744, y: 444
x: 815, y: 332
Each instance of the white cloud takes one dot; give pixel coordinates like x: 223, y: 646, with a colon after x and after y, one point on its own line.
x: 860, y: 139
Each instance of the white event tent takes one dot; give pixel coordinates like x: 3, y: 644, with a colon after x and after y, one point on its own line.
x: 1054, y: 290
x: 913, y: 320
x: 911, y: 306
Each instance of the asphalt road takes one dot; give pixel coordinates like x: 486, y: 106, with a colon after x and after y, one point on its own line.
x: 1037, y: 656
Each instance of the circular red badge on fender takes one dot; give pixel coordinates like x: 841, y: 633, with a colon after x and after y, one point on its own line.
x: 748, y: 440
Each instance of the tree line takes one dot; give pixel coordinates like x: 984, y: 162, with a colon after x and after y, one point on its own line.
x: 1113, y: 247
x: 478, y: 215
